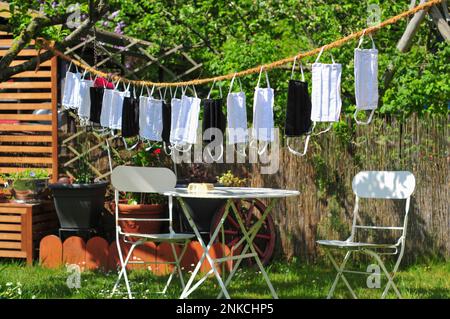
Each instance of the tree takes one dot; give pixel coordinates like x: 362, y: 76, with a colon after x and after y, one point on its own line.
x: 27, y: 23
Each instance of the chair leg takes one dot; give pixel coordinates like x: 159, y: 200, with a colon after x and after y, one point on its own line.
x: 340, y: 274
x: 123, y: 271
x: 386, y: 272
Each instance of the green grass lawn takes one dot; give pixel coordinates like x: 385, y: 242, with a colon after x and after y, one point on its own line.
x: 291, y: 280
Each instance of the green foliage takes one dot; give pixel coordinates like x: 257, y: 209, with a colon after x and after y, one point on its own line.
x: 32, y: 173
x: 228, y: 179
x: 231, y: 36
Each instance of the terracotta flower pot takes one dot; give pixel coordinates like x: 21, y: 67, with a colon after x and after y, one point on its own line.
x: 141, y: 211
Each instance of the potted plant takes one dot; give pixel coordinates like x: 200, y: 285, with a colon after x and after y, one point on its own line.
x: 79, y: 200
x: 27, y: 186
x: 140, y: 205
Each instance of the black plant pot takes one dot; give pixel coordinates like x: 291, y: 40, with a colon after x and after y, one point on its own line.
x: 79, y: 206
x: 202, y: 210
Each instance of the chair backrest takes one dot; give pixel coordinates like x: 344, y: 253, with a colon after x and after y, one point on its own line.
x: 143, y: 179
x: 384, y: 184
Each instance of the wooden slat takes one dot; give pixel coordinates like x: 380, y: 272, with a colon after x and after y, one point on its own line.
x: 25, y: 85
x: 13, y: 254
x: 26, y: 160
x: 10, y: 245
x: 25, y: 52
x: 7, y: 170
x: 25, y: 149
x: 10, y: 236
x: 20, y: 128
x: 33, y: 74
x: 26, y: 96
x: 19, y: 62
x: 12, y: 210
x: 10, y: 219
x: 54, y: 80
x: 27, y: 117
x: 8, y: 42
x: 25, y: 138
x: 10, y: 227
x: 25, y: 106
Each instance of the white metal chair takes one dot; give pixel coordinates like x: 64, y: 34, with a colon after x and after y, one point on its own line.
x: 146, y: 180
x: 374, y: 185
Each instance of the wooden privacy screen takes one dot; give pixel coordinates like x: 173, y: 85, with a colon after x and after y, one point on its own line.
x: 28, y: 115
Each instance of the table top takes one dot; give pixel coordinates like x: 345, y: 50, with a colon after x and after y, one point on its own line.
x: 235, y: 192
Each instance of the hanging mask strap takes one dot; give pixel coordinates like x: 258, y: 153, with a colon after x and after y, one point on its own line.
x: 142, y: 90
x: 320, y: 54
x: 293, y: 151
x: 321, y: 132
x: 130, y: 148
x: 212, y: 86
x: 167, y: 149
x: 361, y: 40
x: 195, y: 92
x: 164, y: 94
x: 208, y: 150
x: 362, y: 122
x: 301, y: 69
x: 259, y: 78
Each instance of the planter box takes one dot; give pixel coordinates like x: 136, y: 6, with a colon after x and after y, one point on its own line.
x: 79, y: 205
x: 22, y: 226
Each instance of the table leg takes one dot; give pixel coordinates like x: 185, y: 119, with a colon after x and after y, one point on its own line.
x: 249, y: 237
x: 187, y: 289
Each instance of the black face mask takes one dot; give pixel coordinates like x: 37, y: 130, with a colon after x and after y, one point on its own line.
x: 298, y: 114
x: 96, y: 94
x: 213, y: 116
x: 167, y: 120
x: 130, y: 117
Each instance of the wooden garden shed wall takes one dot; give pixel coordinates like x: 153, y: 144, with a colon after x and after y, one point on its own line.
x: 26, y: 139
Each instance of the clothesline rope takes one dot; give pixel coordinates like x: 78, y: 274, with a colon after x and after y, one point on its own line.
x: 47, y: 45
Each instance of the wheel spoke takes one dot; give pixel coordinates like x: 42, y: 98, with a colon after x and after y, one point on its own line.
x: 230, y: 232
x: 233, y: 222
x: 233, y: 242
x: 263, y: 236
x: 258, y: 250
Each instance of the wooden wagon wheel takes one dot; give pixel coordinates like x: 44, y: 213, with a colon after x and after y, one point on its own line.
x: 250, y: 211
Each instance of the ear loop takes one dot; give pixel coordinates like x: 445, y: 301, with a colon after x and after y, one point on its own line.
x: 301, y: 69
x: 357, y: 110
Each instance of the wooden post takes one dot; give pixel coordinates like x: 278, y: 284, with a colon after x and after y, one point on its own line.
x: 54, y: 93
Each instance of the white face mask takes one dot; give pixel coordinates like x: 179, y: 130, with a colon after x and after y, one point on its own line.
x: 326, y: 92
x: 150, y: 118
x: 366, y: 79
x: 84, y: 101
x: 105, y: 116
x: 175, y: 113
x: 263, y: 123
x: 112, y: 106
x: 236, y: 116
x: 71, y: 89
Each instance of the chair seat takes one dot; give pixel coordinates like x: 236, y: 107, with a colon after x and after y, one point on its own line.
x: 352, y: 245
x: 166, y: 237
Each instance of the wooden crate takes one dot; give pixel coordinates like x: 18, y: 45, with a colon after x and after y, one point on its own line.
x: 22, y: 226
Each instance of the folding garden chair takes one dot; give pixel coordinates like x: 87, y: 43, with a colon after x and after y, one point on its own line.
x: 376, y: 185
x: 146, y: 180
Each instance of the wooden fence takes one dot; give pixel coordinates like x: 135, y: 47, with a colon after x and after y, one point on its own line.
x: 324, y: 208
x: 27, y: 139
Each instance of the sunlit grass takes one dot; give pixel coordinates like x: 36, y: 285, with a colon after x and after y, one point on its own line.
x: 291, y: 280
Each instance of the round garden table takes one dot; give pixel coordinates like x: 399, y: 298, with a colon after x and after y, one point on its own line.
x: 230, y: 194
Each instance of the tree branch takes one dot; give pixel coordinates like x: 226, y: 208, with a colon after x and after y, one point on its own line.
x: 440, y: 23
x: 6, y: 72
